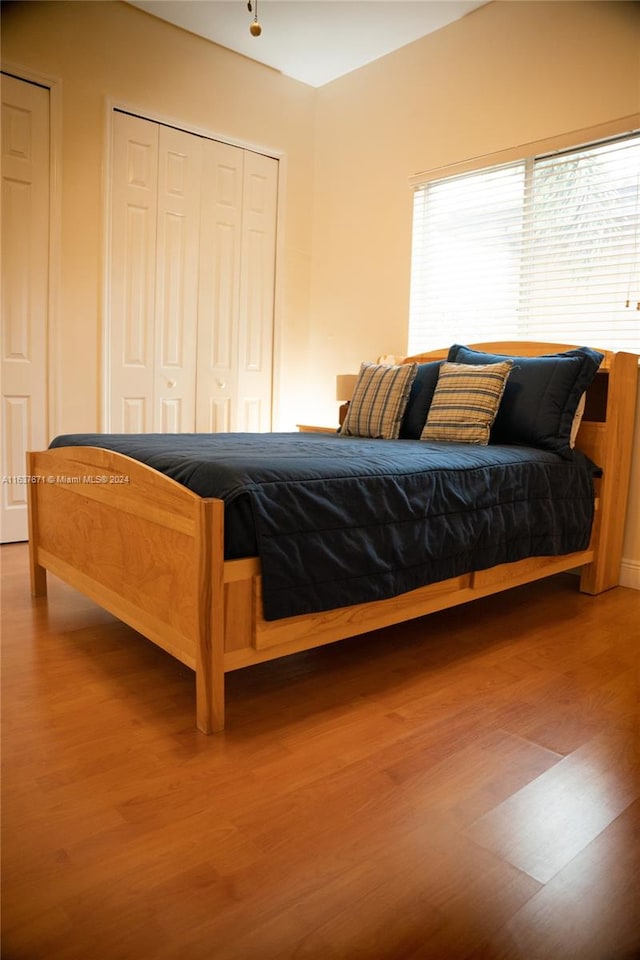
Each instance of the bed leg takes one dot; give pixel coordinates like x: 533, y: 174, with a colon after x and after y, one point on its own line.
x: 210, y: 703
x: 210, y: 617
x: 38, y: 576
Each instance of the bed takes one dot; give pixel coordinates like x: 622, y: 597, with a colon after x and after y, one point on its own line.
x: 153, y: 552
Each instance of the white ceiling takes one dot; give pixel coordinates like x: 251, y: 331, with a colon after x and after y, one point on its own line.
x: 314, y: 41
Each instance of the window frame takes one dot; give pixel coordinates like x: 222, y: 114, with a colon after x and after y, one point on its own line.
x: 527, y: 156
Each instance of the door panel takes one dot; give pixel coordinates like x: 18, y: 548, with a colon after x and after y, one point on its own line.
x: 133, y: 273
x: 179, y: 189
x: 25, y: 290
x: 257, y: 287
x: 219, y: 301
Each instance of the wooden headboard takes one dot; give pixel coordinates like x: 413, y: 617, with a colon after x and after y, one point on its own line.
x: 605, y: 435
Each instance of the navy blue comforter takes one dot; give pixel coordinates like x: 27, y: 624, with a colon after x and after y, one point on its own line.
x: 341, y: 520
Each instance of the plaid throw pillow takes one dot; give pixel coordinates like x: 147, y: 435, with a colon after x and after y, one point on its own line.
x: 466, y: 401
x: 379, y: 401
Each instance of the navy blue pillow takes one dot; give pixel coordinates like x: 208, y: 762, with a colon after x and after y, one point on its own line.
x: 420, y: 398
x: 541, y: 395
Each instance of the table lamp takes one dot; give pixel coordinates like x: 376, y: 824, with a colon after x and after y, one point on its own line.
x: 345, y: 383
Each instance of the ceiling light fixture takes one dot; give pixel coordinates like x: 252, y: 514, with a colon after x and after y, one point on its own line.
x: 254, y: 29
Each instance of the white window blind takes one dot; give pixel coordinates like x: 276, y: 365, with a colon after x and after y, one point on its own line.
x: 546, y: 248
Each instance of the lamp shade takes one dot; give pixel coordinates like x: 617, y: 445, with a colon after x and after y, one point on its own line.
x: 345, y: 382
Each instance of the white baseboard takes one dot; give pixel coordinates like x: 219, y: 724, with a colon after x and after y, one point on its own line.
x: 630, y: 574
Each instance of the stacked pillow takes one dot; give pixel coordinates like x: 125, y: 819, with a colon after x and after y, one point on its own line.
x: 541, y: 396
x: 420, y: 398
x: 475, y: 397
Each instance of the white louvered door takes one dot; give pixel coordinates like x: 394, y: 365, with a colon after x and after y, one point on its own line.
x: 132, y: 285
x: 255, y: 330
x: 219, y: 304
x: 25, y: 291
x: 237, y: 271
x: 178, y: 242
x: 192, y: 282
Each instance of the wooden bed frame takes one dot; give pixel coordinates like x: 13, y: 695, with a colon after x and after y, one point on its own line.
x: 151, y: 552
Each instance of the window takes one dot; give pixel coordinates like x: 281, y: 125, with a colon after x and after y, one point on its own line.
x: 546, y: 248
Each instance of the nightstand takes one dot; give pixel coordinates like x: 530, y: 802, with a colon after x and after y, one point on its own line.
x: 309, y: 428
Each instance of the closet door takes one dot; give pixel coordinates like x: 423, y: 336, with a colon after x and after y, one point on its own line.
x: 257, y: 285
x: 178, y: 242
x: 154, y: 276
x: 191, y: 282
x: 132, y: 289
x: 237, y: 279
x: 219, y: 302
x: 25, y: 290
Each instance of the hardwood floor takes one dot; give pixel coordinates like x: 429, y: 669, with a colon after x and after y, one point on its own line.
x: 463, y: 787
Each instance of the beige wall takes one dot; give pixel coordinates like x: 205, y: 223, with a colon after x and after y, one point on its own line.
x: 507, y: 74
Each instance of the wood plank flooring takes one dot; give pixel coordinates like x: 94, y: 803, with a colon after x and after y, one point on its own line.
x: 463, y: 787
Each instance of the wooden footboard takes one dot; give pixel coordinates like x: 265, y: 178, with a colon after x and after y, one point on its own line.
x: 140, y: 545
